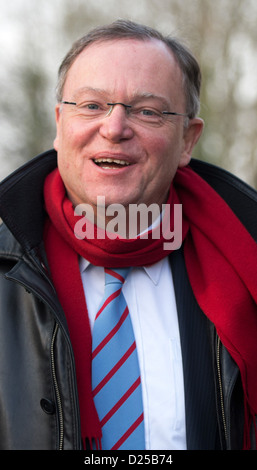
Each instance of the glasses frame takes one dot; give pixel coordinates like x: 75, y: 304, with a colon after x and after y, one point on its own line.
x: 126, y: 106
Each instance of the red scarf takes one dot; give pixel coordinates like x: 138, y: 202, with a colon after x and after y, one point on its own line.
x: 221, y: 260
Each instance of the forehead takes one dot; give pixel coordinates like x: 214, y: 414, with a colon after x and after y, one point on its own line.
x: 123, y: 66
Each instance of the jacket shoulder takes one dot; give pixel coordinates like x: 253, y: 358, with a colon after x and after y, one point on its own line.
x: 241, y: 197
x: 21, y: 199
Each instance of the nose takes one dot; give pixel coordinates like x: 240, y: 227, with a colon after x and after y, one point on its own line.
x: 115, y: 126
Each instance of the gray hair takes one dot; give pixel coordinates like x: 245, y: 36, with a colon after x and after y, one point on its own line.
x: 124, y: 29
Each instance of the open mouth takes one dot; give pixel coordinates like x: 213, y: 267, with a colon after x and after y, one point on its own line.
x: 111, y: 163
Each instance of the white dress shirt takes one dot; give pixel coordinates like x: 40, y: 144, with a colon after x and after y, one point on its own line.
x: 151, y: 301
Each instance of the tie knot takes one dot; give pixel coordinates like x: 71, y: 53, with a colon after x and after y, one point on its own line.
x: 116, y: 276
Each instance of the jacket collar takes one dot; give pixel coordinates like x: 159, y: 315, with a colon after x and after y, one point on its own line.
x: 21, y: 200
x: 240, y: 197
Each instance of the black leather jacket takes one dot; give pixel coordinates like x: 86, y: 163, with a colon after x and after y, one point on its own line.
x: 38, y: 392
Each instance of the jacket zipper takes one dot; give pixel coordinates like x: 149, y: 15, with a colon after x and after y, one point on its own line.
x: 221, y: 390
x: 57, y: 392
x: 30, y: 289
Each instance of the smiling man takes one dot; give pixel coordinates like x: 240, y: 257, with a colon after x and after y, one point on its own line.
x: 131, y: 156
x: 116, y: 342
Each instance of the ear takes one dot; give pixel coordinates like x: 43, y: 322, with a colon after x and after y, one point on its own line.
x: 57, y: 122
x: 192, y: 134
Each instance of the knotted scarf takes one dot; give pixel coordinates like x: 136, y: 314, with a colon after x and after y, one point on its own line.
x: 221, y: 261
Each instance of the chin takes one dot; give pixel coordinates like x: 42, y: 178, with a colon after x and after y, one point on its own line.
x: 115, y: 197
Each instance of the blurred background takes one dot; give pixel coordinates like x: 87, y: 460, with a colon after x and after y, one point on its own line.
x: 35, y: 36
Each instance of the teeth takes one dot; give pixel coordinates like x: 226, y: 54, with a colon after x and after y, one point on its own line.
x: 111, y: 160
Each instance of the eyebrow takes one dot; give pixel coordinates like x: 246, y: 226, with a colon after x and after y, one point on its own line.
x: 85, y: 89
x: 147, y: 95
x: 137, y: 95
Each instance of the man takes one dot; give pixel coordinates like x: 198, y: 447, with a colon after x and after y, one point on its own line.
x: 127, y: 123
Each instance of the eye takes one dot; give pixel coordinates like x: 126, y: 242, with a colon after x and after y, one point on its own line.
x: 92, y: 106
x: 89, y: 106
x: 148, y: 112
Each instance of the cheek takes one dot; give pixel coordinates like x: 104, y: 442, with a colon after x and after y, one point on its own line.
x: 160, y: 152
x: 162, y: 139
x: 69, y: 133
x: 165, y: 160
x: 68, y: 143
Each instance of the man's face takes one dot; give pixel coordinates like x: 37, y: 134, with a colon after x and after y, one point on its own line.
x: 123, y: 71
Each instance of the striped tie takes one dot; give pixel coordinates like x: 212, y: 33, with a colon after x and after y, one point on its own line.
x: 115, y: 370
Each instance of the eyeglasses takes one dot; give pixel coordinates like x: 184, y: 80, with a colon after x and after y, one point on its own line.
x: 137, y: 113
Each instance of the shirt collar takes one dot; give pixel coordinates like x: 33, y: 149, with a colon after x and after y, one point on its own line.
x: 153, y: 271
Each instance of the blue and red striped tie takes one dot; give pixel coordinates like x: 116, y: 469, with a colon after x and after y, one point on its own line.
x: 116, y: 380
